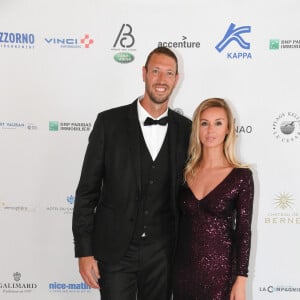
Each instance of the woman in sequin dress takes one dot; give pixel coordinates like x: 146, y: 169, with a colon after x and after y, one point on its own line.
x: 216, y: 210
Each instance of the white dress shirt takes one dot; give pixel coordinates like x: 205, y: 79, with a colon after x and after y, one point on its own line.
x: 154, y: 135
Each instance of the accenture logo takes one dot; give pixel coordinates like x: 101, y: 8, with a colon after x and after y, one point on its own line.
x: 184, y: 43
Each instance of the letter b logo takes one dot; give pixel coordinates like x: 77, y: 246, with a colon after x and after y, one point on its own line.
x: 125, y: 37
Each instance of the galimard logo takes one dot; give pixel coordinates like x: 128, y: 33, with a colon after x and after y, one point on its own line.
x: 284, y: 211
x: 124, y: 43
x: 286, y: 127
x: 17, y: 286
x: 236, y: 35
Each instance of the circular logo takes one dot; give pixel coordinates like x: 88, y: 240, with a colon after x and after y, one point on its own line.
x: 286, y: 127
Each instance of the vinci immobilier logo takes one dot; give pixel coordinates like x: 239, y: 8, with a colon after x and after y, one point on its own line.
x: 70, y: 42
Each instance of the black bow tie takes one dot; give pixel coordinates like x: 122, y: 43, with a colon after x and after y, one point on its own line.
x: 163, y: 121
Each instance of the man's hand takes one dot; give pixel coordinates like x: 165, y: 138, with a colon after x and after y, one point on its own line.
x: 88, y: 269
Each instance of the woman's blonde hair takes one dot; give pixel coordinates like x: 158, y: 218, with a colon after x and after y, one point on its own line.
x: 195, y: 146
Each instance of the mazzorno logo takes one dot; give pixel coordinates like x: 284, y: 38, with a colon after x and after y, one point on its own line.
x: 70, y: 42
x: 236, y: 35
x: 17, y: 40
x: 286, y: 127
x: 124, y: 42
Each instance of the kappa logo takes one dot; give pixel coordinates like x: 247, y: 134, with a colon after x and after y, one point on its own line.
x: 234, y: 34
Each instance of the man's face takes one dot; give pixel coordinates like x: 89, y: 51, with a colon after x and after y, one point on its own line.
x: 160, y: 78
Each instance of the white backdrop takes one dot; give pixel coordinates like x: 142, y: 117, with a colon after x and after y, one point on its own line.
x: 62, y: 62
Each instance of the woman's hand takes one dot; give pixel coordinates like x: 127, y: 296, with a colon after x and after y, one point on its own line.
x: 238, y: 291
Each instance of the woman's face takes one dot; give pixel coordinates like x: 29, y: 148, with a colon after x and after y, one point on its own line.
x: 213, y: 127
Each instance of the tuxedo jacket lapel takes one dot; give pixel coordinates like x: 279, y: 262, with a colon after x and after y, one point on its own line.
x: 173, y: 141
x: 134, y: 141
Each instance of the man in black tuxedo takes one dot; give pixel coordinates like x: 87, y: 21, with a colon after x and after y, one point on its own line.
x: 125, y: 214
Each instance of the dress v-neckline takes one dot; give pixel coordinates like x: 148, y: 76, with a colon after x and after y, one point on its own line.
x: 212, y: 190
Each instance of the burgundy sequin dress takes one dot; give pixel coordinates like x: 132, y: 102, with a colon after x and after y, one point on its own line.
x: 214, y: 238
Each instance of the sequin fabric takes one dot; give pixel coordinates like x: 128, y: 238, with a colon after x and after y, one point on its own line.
x: 214, y: 238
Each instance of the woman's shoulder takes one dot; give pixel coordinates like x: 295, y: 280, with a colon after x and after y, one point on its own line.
x: 243, y: 172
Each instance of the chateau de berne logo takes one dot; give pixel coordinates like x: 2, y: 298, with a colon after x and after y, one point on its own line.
x: 284, y: 210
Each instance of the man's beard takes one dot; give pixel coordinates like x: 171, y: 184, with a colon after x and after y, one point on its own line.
x: 157, y: 99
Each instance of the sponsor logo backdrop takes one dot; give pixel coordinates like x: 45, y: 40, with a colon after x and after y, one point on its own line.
x: 62, y: 62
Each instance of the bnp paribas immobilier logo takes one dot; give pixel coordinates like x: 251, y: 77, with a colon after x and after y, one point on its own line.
x: 274, y: 44
x: 53, y: 125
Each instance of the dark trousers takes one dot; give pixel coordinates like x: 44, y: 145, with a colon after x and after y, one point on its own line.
x: 144, y: 273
